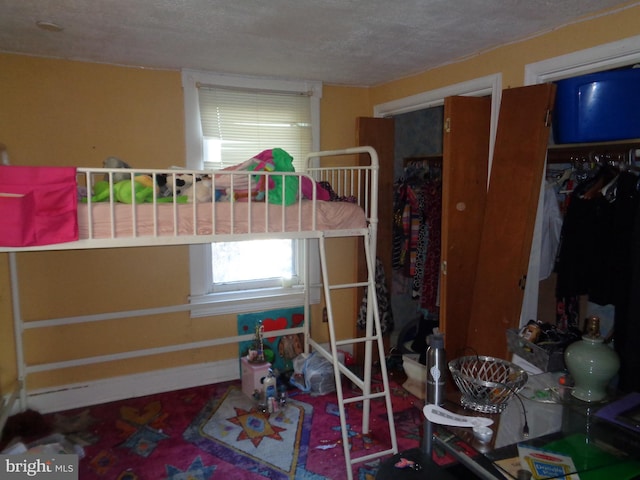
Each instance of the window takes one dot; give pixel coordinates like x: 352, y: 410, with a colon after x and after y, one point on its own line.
x: 239, y: 123
x: 229, y: 120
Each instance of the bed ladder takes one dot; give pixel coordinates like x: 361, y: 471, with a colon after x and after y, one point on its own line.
x: 372, y: 336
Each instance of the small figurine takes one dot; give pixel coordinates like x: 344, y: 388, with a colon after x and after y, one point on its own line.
x: 259, y: 342
x: 256, y: 354
x: 270, y: 391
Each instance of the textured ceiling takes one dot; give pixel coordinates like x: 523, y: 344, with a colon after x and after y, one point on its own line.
x: 349, y: 42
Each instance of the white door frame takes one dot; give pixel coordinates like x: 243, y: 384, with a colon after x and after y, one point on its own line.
x: 603, y: 57
x: 478, y: 87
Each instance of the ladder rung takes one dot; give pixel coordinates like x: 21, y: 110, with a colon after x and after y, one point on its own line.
x: 349, y: 341
x: 348, y: 285
x: 360, y: 398
x: 371, y: 456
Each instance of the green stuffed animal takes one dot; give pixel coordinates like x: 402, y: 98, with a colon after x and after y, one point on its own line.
x: 126, y: 191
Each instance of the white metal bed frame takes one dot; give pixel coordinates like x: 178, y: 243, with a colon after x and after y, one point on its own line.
x: 358, y: 181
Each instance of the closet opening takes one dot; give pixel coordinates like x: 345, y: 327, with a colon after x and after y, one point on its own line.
x: 417, y: 208
x: 590, y: 204
x: 585, y: 160
x: 412, y: 128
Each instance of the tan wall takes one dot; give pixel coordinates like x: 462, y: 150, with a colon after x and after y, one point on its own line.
x: 340, y: 107
x: 56, y: 112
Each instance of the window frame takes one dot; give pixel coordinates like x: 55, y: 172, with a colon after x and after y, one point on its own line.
x: 201, y: 277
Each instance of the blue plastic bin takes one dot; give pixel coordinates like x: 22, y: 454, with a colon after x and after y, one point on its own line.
x: 598, y: 107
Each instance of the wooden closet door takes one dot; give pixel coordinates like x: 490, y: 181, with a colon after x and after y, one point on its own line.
x: 379, y: 133
x: 464, y: 188
x: 512, y: 198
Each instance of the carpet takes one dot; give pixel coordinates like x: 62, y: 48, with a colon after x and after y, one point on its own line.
x: 216, y: 432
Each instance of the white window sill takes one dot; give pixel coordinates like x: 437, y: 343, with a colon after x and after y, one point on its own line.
x: 250, y: 301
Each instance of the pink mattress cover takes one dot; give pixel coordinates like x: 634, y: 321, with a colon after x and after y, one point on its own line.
x: 229, y: 218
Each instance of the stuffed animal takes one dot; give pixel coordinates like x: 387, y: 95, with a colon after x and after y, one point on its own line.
x: 188, y: 187
x: 123, y: 192
x: 141, y: 190
x: 200, y: 190
x: 115, y: 162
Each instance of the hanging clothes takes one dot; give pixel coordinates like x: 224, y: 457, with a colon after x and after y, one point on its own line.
x: 627, y: 320
x: 417, y: 277
x: 551, y: 229
x: 595, y: 239
x: 431, y: 278
x: 383, y: 299
x: 626, y: 262
x: 416, y: 230
x: 405, y: 210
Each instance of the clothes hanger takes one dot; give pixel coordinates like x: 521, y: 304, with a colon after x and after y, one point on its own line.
x: 603, y: 180
x: 564, y: 177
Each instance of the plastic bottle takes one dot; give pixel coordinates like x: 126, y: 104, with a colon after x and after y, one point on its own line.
x: 436, y: 365
x: 270, y: 391
x: 436, y: 369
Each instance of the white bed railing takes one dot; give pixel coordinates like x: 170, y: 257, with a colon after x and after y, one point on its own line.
x: 223, y: 217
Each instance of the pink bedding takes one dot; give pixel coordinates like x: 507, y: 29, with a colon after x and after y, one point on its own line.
x: 228, y: 218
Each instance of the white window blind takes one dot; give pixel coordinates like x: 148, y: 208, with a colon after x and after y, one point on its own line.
x: 237, y: 124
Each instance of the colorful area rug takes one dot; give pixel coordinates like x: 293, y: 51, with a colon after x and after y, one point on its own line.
x: 217, y: 432
x: 274, y: 445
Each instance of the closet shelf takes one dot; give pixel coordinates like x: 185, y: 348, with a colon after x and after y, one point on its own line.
x: 567, y: 152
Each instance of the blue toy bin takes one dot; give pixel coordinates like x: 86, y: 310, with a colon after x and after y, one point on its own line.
x: 598, y: 107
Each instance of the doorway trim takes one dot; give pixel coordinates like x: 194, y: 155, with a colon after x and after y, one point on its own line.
x: 478, y: 87
x: 603, y: 57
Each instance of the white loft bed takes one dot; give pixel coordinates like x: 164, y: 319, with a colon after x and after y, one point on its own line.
x: 111, y: 224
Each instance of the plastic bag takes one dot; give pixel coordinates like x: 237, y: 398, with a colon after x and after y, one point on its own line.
x: 313, y: 374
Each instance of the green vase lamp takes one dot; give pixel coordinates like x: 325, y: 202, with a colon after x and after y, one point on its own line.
x: 591, y: 363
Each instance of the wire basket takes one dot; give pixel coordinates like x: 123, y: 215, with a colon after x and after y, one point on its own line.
x: 486, y: 383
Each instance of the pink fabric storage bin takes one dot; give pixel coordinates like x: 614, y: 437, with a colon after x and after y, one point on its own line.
x: 38, y: 205
x: 14, y: 208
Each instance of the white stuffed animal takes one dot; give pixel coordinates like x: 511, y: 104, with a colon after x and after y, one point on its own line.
x: 197, y: 188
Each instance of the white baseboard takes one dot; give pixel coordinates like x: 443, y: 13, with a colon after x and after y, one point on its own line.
x: 118, y: 388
